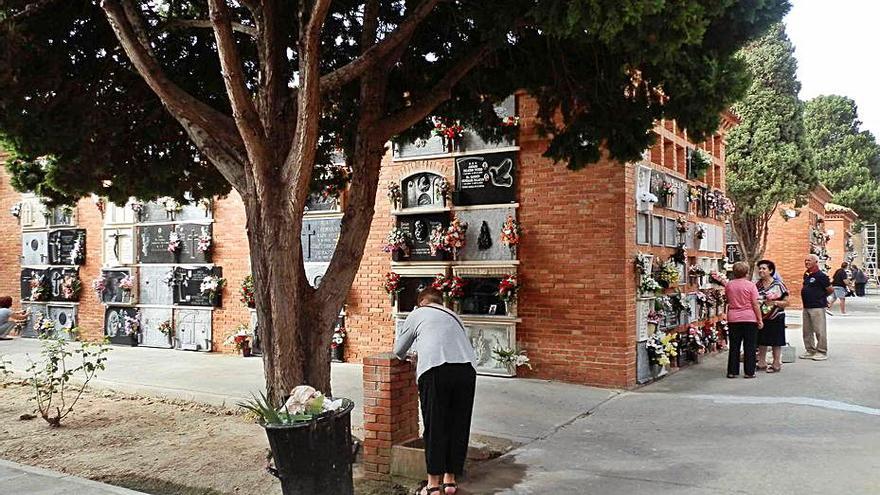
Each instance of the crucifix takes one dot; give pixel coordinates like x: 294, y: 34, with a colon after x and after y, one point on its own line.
x: 308, y: 235
x: 116, y: 235
x: 55, y: 247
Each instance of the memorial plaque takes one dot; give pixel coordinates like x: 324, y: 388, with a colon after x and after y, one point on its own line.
x: 483, y: 236
x: 315, y: 272
x: 658, y: 231
x: 155, y: 211
x: 187, y: 284
x: 36, y: 311
x: 480, y: 297
x: 67, y: 247
x: 154, y: 285
x: 485, y: 179
x: 151, y: 318
x: 406, y: 299
x: 419, y: 228
x: 114, y: 325
x: 33, y: 213
x: 643, y: 363
x: 317, y: 202
x: 55, y: 277
x: 65, y: 319
x: 643, y: 307
x: 643, y: 229
x: 153, y: 244
x: 319, y: 238
x: 62, y: 216
x: 485, y: 338
x: 424, y: 189
x: 423, y: 147
x: 118, y: 247
x: 112, y: 292
x: 672, y: 234
x: 733, y: 253
x: 34, y: 248
x: 193, y: 329
x: 190, y: 234
x: 194, y: 211
x: 116, y: 214
x: 28, y: 274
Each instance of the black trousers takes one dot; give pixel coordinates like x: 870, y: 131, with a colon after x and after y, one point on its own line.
x: 446, y: 394
x: 860, y: 290
x: 745, y: 335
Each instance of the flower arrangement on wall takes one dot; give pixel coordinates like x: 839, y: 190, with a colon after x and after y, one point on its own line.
x: 204, y: 241
x: 16, y: 210
x: 447, y: 129
x: 166, y: 328
x: 212, y: 286
x: 661, y: 348
x: 508, y: 288
x: 174, y: 242
x: 717, y: 278
x: 681, y: 225
x: 39, y: 288
x: 246, y: 290
x: 71, y: 288
x: 394, y: 194
x: 668, y: 275
x: 511, y: 233
x: 454, y: 238
x: 132, y: 325
x: 511, y: 358
x: 77, y: 251
x: 126, y: 283
x: 100, y: 204
x: 397, y: 241
x: 98, y: 285
x: 392, y: 285
x: 451, y: 287
x: 666, y: 191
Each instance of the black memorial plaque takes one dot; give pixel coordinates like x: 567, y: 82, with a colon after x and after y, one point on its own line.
x: 187, y: 286
x: 485, y: 179
x: 62, y: 244
x: 55, y: 277
x: 114, y: 325
x: 419, y: 228
x: 318, y: 202
x: 406, y: 299
x: 423, y: 190
x: 189, y: 239
x: 28, y: 274
x: 319, y: 238
x: 480, y: 297
x: 112, y: 293
x: 153, y: 244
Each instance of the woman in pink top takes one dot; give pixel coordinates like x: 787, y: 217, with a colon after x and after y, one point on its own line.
x: 744, y: 316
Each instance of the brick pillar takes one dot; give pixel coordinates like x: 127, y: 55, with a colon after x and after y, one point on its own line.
x: 391, y: 410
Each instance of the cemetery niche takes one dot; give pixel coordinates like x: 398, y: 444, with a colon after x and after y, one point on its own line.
x: 193, y: 328
x: 34, y: 248
x: 187, y: 283
x: 419, y: 228
x: 118, y: 246
x: 406, y: 299
x: 64, y: 318
x: 485, y: 179
x: 35, y: 313
x: 155, y: 285
x: 113, y: 291
x: 197, y: 243
x: 61, y: 215
x: 483, y: 234
x: 67, y: 247
x: 485, y: 338
x: 56, y: 279
x: 153, y: 244
x: 31, y: 276
x: 481, y: 298
x: 151, y: 320
x: 119, y: 325
x: 319, y: 237
x: 317, y: 202
x: 424, y: 190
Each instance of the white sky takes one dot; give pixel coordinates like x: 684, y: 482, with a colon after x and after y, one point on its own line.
x: 837, y: 45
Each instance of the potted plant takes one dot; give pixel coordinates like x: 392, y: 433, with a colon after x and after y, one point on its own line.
x: 241, y: 340
x: 337, y: 344
x: 511, y: 358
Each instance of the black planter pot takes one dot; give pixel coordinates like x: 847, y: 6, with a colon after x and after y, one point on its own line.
x: 337, y: 354
x: 314, y: 457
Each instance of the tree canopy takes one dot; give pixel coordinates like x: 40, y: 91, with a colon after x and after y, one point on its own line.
x: 847, y: 158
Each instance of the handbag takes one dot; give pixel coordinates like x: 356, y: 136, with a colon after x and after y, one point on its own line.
x: 789, y: 353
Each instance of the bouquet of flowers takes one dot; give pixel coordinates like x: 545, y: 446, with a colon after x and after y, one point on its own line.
x: 667, y: 190
x: 126, y: 283
x: 681, y: 254
x: 394, y: 194
x: 392, y: 286
x: 338, y: 337
x: 454, y: 238
x: 173, y: 242
x: 696, y: 271
x: 712, y: 200
x: 511, y: 358
x: 98, y: 285
x: 211, y: 286
x: 132, y: 324
x: 710, y: 335
x: 700, y: 232
x: 137, y: 206
x: 661, y: 347
x: 702, y: 299
x: 678, y: 304
x: 437, y: 240
x: 663, y: 305
x: 100, y: 204
x: 510, y: 121
x: 668, y: 275
x: 46, y: 326
x: 693, y: 194
x: 247, y: 291
x: 725, y: 206
x: 695, y: 341
x: 443, y: 189
x: 171, y: 205
x: 166, y: 327
x: 717, y: 278
x: 508, y: 288
x: 648, y: 285
x: 510, y: 232
x: 16, y: 210
x: 240, y: 339
x: 654, y: 317
x: 451, y: 287
x: 70, y: 288
x: 681, y: 224
x: 450, y: 130
x: 39, y: 289
x: 204, y: 243
x: 77, y: 253
x: 397, y: 240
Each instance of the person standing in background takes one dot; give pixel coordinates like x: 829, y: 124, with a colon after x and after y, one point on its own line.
x: 838, y: 282
x: 860, y: 279
x: 744, y: 318
x: 815, y: 292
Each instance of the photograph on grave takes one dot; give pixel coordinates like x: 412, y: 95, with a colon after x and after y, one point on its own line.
x: 193, y: 328
x: 34, y: 285
x: 118, y: 246
x: 64, y: 284
x: 34, y: 248
x: 153, y: 321
x: 187, y: 283
x: 64, y: 318
x: 319, y: 236
x: 418, y: 228
x: 122, y: 325
x: 35, y: 314
x: 406, y: 299
x: 118, y: 286
x: 485, y: 179
x: 153, y: 244
x: 481, y: 297
x: 424, y: 190
x: 482, y: 238
x: 485, y: 337
x: 67, y: 247
x: 196, y: 243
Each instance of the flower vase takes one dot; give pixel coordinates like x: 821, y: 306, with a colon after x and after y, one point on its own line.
x: 126, y: 297
x: 447, y: 300
x: 456, y: 306
x: 337, y: 354
x: 450, y: 145
x: 513, y: 251
x: 511, y: 369
x: 246, y: 351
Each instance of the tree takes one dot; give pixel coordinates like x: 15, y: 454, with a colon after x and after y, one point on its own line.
x: 767, y: 159
x: 847, y: 158
x: 258, y: 95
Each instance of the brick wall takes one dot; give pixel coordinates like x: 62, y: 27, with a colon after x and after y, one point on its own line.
x: 231, y: 252
x: 10, y: 240
x: 840, y: 224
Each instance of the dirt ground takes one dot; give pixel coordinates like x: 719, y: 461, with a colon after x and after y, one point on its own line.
x: 155, y: 446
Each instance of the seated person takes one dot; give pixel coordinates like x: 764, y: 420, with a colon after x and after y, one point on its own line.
x: 7, y: 322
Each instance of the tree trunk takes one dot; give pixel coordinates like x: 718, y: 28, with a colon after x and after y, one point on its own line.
x: 751, y: 233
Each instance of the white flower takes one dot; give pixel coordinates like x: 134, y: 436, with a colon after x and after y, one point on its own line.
x: 648, y: 197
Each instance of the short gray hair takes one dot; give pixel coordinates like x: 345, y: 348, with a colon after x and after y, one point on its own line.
x: 813, y: 257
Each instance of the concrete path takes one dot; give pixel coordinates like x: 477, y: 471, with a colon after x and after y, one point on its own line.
x: 18, y: 479
x: 814, y: 428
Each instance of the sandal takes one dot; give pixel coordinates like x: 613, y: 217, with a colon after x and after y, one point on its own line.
x: 762, y: 368
x: 428, y: 491
x: 450, y: 486
x: 731, y: 375
x: 749, y: 376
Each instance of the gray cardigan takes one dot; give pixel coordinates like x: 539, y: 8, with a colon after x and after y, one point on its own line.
x: 437, y: 335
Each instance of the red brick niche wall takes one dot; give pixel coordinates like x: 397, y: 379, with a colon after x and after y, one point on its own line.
x: 10, y: 239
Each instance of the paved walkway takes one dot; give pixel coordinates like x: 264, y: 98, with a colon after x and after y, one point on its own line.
x: 18, y: 479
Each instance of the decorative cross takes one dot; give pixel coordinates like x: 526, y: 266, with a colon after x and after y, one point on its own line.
x: 115, y: 236
x: 308, y: 235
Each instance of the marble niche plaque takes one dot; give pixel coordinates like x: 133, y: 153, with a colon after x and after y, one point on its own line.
x: 189, y: 239
x: 67, y: 247
x: 187, y: 284
x: 56, y: 277
x: 114, y: 325
x: 34, y: 248
x: 154, y: 285
x: 483, y: 236
x: 484, y: 338
x: 193, y: 327
x: 423, y: 190
x: 419, y: 228
x: 480, y: 297
x: 643, y: 363
x: 485, y: 179
x: 63, y: 216
x: 116, y: 214
x: 112, y: 292
x: 28, y: 274
x: 35, y: 311
x: 317, y: 202
x: 315, y: 272
x: 118, y: 247
x: 151, y: 318
x: 319, y: 238
x: 155, y: 212
x: 64, y: 318
x: 153, y: 244
x: 33, y: 213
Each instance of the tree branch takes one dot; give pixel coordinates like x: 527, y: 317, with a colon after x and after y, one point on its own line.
x: 213, y: 132
x: 356, y: 68
x: 442, y: 91
x: 29, y: 10
x: 206, y: 24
